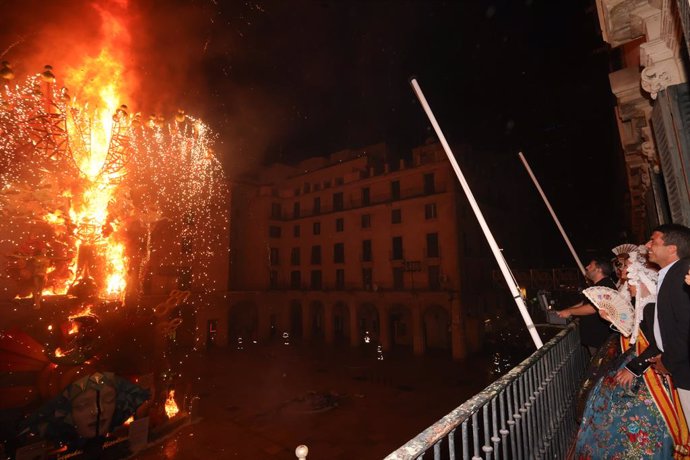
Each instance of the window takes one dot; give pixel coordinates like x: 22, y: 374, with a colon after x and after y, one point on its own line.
x: 429, y: 184
x: 317, y: 205
x: 434, y: 277
x: 327, y: 184
x: 294, y: 256
x: 339, y: 181
x: 366, y: 251
x: 307, y: 187
x: 398, y: 278
x: 295, y: 231
x: 366, y: 196
x: 339, y: 224
x: 366, y: 220
x: 338, y: 201
x: 317, y: 186
x: 296, y: 210
x: 340, y: 279
x: 432, y: 244
x: 276, y: 212
x: 430, y: 211
x: 298, y: 191
x: 396, y: 216
x: 339, y: 253
x: 367, y: 279
x: 273, y: 279
x: 316, y: 228
x: 295, y: 279
x: 274, y: 256
x: 316, y: 255
x: 274, y: 231
x: 395, y: 190
x: 397, y: 248
x: 316, y: 279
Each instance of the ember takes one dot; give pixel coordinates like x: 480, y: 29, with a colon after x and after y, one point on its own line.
x: 171, y: 408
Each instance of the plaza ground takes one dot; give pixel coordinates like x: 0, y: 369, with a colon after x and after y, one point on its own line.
x: 265, y: 400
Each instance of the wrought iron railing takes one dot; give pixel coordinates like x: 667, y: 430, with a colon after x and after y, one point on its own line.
x: 528, y: 413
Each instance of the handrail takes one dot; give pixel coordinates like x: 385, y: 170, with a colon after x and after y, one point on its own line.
x: 529, y: 411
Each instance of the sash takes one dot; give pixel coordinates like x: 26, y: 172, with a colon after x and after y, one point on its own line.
x: 666, y: 400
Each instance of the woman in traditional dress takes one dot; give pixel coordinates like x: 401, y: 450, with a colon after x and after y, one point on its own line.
x: 631, y: 411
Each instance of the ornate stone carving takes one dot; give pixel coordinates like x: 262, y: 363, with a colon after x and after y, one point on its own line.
x: 656, y: 78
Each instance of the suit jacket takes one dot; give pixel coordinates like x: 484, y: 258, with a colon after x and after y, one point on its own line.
x: 673, y: 307
x: 640, y: 364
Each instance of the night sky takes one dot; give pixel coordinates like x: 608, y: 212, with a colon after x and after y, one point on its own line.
x: 286, y: 80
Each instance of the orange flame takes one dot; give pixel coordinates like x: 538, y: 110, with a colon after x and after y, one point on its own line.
x: 171, y: 408
x: 99, y: 83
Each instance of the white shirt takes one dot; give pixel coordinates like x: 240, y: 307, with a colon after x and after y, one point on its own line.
x: 657, y: 331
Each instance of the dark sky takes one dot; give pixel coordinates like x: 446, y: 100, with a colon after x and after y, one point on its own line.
x: 501, y: 76
x: 285, y: 80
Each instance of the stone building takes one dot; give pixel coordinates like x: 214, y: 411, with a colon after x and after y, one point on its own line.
x: 649, y: 40
x: 342, y: 247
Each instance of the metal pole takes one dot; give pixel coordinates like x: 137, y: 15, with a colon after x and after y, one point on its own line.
x: 553, y: 214
x: 512, y: 285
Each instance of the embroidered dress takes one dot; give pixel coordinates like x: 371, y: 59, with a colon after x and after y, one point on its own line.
x: 621, y: 423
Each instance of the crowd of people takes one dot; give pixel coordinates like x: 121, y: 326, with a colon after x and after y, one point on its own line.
x: 636, y: 400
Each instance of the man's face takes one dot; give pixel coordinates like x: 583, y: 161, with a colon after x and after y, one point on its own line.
x: 658, y: 252
x: 92, y: 412
x: 592, y: 270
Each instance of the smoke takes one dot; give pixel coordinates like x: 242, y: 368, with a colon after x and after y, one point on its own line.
x: 177, y: 55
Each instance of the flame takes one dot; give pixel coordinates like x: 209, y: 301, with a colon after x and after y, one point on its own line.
x: 59, y: 353
x: 86, y: 311
x: 129, y: 420
x: 99, y: 81
x: 73, y: 329
x: 171, y: 408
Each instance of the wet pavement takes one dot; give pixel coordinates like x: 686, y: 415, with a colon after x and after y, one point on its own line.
x: 263, y: 401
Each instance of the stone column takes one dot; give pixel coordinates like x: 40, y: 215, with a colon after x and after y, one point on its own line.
x: 328, y: 326
x: 457, y: 330
x: 384, y: 328
x: 354, y: 324
x: 418, y: 345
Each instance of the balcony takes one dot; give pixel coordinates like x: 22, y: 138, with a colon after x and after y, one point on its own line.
x: 527, y: 413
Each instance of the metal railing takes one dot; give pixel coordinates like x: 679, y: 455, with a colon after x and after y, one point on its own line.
x: 528, y: 413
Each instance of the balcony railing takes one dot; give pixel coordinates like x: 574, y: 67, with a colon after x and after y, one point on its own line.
x: 528, y: 413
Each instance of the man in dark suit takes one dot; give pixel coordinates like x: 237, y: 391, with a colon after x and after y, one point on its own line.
x: 669, y: 247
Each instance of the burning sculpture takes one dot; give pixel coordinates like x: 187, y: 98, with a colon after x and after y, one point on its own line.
x: 82, y: 189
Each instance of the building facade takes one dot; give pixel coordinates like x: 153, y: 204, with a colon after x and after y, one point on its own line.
x: 345, y: 248
x: 649, y: 40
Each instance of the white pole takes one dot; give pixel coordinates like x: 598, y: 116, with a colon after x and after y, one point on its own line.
x: 553, y: 214
x: 477, y: 212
